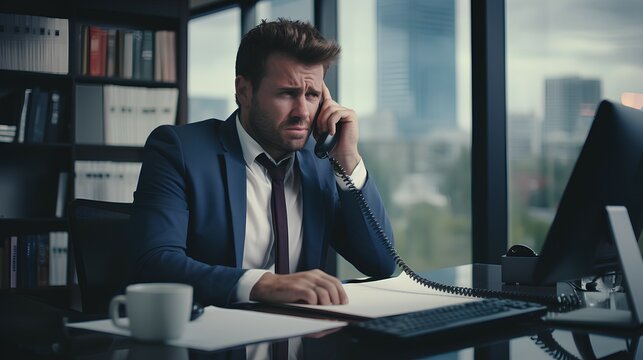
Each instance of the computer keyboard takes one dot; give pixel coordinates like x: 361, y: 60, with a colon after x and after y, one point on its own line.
x: 445, y: 319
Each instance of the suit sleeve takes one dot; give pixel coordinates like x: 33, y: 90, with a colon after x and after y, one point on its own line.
x: 159, y: 226
x: 356, y: 239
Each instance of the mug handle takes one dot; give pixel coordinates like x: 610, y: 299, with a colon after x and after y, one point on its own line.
x: 113, y: 312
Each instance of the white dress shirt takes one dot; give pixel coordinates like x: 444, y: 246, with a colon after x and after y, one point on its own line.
x: 258, y: 248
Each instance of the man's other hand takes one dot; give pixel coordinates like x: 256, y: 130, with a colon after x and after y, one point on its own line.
x: 310, y: 287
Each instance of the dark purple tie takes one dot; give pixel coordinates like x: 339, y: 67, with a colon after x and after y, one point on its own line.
x: 278, y: 207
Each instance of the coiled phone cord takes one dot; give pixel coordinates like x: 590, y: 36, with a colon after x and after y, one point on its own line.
x: 549, y: 345
x: 559, y: 303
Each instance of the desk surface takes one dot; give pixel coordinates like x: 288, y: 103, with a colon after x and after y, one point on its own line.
x: 38, y: 332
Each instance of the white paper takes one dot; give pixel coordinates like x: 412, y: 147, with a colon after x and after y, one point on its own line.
x: 391, y: 296
x: 220, y: 328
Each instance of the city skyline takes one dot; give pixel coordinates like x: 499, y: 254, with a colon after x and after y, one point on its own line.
x: 584, y: 38
x: 574, y: 38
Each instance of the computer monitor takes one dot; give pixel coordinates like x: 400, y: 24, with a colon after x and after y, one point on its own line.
x: 608, y: 171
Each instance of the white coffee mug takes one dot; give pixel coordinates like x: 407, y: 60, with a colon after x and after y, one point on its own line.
x: 156, y: 311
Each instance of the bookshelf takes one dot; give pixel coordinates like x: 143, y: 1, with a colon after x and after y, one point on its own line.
x: 60, y: 119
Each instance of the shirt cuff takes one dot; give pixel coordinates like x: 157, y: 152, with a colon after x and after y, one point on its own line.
x: 246, y: 282
x: 358, y: 176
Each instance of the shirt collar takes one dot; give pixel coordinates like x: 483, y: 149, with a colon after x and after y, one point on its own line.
x: 251, y: 148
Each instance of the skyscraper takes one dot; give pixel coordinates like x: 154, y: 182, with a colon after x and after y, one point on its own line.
x: 570, y: 103
x: 416, y: 64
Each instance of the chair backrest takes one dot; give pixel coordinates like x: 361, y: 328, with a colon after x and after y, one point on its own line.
x: 98, y: 231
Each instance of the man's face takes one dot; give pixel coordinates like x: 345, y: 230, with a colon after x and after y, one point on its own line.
x: 279, y: 114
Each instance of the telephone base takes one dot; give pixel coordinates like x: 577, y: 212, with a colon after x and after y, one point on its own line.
x: 518, y: 269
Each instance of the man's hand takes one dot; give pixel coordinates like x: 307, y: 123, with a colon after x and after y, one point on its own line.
x: 310, y: 287
x: 330, y: 117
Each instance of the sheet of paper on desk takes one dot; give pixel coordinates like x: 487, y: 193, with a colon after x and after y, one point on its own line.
x: 220, y: 328
x: 386, y: 297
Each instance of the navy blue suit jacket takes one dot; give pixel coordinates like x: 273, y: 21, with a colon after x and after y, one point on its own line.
x: 189, y: 216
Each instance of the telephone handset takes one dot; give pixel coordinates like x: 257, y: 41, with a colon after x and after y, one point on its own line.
x: 326, y: 142
x: 323, y: 147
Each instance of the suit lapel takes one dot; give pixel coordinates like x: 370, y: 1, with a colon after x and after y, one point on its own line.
x: 313, y: 213
x: 235, y: 170
x: 314, y: 216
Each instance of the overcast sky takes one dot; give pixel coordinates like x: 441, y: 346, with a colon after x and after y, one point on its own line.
x: 588, y: 38
x: 546, y: 38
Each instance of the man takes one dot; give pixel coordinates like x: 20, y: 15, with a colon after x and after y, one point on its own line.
x: 202, y: 209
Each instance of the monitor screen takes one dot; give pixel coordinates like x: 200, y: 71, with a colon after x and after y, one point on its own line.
x: 608, y: 171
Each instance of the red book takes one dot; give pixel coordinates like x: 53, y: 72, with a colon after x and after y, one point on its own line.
x: 84, y: 59
x: 97, y: 51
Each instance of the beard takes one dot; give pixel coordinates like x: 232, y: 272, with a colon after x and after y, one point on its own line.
x: 270, y: 132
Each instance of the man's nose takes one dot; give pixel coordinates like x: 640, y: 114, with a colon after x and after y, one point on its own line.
x: 300, y: 108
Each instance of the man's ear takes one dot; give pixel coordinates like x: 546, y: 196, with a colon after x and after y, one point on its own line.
x: 243, y: 88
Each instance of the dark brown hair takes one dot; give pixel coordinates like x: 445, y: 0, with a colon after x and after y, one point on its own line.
x: 297, y: 39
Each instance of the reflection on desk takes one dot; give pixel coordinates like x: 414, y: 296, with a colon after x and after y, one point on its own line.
x: 220, y: 328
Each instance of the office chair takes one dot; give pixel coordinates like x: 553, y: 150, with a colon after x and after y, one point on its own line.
x: 98, y: 232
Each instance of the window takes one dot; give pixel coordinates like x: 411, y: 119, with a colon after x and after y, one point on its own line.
x: 562, y: 59
x: 405, y: 69
x: 289, y: 9
x: 212, y: 50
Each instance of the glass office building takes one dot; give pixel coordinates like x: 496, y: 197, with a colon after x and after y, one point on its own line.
x: 416, y: 65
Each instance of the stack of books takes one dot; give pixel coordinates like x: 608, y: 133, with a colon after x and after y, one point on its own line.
x: 30, y: 115
x: 130, y: 54
x: 106, y: 180
x: 34, y: 260
x: 34, y: 43
x: 122, y: 115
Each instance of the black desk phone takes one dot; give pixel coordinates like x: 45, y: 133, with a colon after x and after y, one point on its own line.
x: 325, y: 144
